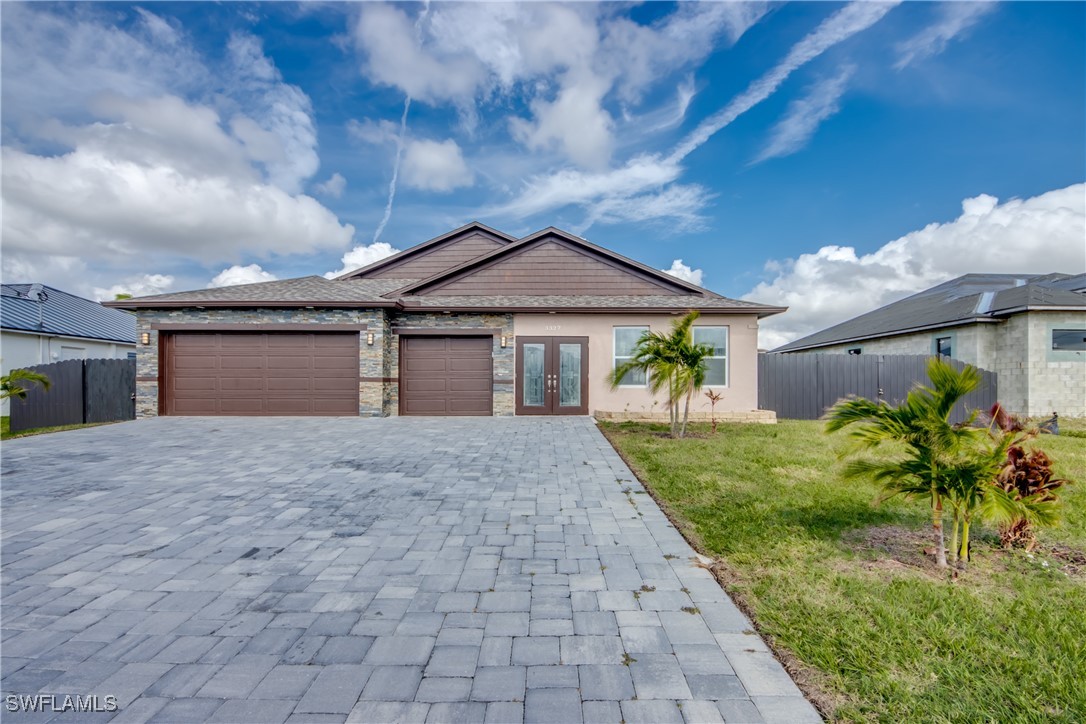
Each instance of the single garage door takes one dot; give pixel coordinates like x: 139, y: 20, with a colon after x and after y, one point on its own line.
x: 243, y: 373
x: 446, y: 376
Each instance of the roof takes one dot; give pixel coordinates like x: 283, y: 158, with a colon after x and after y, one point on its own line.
x: 969, y: 299
x: 64, y: 314
x: 630, y: 286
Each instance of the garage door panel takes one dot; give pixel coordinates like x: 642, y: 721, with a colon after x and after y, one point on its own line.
x: 245, y: 373
x: 446, y: 376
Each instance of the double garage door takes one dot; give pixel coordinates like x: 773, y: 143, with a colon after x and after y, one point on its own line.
x: 292, y: 373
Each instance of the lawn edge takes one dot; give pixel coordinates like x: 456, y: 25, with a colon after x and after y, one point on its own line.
x: 805, y: 676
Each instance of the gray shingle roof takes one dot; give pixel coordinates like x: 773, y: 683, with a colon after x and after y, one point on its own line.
x: 653, y: 301
x: 967, y: 299
x: 63, y: 314
x: 303, y: 290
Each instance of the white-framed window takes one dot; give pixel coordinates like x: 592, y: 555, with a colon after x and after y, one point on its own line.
x: 716, y: 366
x: 625, y: 339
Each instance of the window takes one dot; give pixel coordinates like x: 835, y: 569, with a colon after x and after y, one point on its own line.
x: 1071, y: 340
x: 855, y: 351
x: 625, y: 344
x: 716, y: 367
x: 943, y: 346
x: 131, y: 355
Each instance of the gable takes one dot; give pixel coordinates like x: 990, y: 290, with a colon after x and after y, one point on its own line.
x: 438, y: 259
x: 439, y: 254
x: 549, y: 267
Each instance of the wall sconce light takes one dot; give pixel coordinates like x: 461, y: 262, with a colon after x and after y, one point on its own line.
x: 505, y: 342
x: 145, y: 338
x: 369, y: 338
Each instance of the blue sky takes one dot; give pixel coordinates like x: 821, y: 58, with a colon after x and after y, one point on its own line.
x: 827, y: 156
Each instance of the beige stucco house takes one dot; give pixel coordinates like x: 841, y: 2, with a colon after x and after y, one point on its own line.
x: 1028, y: 329
x: 472, y: 322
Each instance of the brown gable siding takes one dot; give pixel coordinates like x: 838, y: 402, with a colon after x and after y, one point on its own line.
x: 437, y: 260
x: 549, y: 268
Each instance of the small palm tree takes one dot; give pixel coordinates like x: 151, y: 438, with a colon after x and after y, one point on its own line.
x: 18, y: 382
x: 938, y: 456
x: 671, y: 362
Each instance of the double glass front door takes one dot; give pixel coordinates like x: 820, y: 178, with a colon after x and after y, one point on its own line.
x: 552, y: 376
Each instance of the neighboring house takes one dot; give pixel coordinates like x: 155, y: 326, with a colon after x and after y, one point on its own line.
x: 40, y: 324
x: 1029, y: 330
x: 473, y: 322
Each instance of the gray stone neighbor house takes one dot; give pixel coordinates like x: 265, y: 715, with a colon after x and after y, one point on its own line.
x: 472, y: 322
x: 1028, y: 329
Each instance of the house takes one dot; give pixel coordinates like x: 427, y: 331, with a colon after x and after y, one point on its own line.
x: 472, y: 322
x: 1028, y: 329
x: 40, y: 324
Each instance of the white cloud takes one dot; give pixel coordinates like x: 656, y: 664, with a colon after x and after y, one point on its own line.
x: 333, y: 187
x: 805, y: 115
x: 363, y: 255
x: 435, y: 166
x: 954, y: 18
x: 236, y: 274
x: 682, y: 271
x: 150, y: 151
x: 138, y: 286
x: 464, y: 54
x: 1040, y: 234
x: 605, y: 194
x: 374, y: 132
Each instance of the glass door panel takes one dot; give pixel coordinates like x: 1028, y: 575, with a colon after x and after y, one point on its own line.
x: 534, y: 373
x: 569, y: 375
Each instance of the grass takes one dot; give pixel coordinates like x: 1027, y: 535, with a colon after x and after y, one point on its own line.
x: 844, y: 592
x: 7, y: 434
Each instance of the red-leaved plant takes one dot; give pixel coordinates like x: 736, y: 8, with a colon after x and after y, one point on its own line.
x: 1027, y: 476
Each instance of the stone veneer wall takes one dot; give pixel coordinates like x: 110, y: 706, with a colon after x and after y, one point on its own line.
x: 504, y: 399
x: 1033, y: 378
x: 371, y: 361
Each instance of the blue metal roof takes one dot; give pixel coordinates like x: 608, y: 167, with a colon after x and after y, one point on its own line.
x: 63, y: 313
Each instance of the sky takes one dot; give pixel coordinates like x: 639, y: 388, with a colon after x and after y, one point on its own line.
x: 830, y: 157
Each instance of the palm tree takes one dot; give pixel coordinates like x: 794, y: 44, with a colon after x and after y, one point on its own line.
x: 17, y: 383
x: 939, y: 461
x: 672, y: 361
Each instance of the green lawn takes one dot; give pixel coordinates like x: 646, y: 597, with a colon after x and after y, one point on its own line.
x: 842, y: 589
x: 7, y: 434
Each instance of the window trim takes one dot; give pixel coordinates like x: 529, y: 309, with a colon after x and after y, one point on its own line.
x: 614, y: 353
x: 727, y: 353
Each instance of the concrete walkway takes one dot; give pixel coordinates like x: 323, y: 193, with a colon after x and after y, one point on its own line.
x: 312, y: 570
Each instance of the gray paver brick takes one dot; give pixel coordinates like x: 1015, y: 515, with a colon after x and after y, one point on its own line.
x: 253, y: 711
x: 557, y: 706
x: 393, y: 683
x: 651, y: 712
x: 264, y: 570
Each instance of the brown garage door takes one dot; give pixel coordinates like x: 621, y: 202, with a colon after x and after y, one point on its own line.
x: 242, y: 373
x: 446, y: 376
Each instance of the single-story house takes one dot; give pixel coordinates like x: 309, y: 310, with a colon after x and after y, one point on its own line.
x: 40, y: 324
x: 472, y: 322
x: 1028, y: 329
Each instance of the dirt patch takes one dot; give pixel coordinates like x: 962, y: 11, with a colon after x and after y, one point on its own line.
x: 1072, y: 561
x: 896, y: 546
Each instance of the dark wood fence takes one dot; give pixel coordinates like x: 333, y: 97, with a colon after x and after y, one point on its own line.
x: 93, y: 390
x: 804, y: 386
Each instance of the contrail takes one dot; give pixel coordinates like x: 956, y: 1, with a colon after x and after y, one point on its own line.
x: 395, y: 171
x: 400, y: 138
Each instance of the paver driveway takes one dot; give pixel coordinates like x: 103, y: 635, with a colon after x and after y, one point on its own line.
x: 277, y: 569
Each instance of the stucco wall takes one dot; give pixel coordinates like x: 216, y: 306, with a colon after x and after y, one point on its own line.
x: 739, y: 396
x: 503, y: 358
x: 1034, y: 379
x: 19, y: 350
x: 371, y: 393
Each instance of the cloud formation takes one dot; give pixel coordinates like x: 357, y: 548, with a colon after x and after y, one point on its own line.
x: 617, y: 195
x: 333, y: 187
x: 954, y: 18
x: 1040, y: 234
x: 805, y: 115
x: 140, y: 149
x: 250, y: 274
x: 137, y: 286
x: 363, y: 255
x: 682, y: 271
x: 435, y: 166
